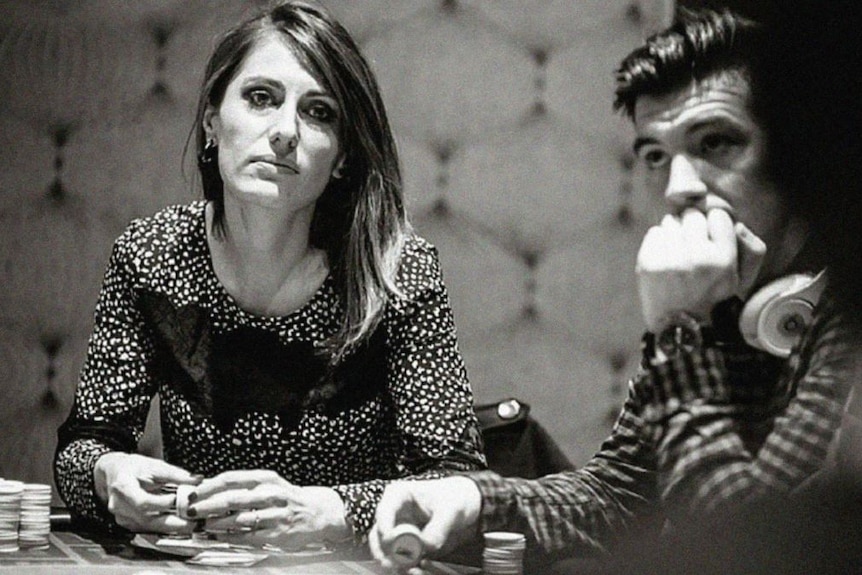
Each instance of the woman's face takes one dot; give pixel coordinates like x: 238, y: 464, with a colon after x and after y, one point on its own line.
x: 276, y: 130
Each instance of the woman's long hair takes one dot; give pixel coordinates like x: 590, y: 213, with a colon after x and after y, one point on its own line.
x: 359, y: 220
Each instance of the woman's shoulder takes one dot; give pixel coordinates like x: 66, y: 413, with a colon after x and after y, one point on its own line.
x: 149, y: 240
x: 168, y: 225
x: 419, y: 268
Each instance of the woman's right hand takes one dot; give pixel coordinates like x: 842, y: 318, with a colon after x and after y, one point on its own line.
x: 131, y: 485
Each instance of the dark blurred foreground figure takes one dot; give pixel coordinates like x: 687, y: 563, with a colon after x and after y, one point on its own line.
x: 810, y: 99
x: 748, y: 361
x: 298, y: 333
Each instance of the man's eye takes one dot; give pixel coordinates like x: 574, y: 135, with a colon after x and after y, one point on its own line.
x: 717, y: 143
x: 654, y: 158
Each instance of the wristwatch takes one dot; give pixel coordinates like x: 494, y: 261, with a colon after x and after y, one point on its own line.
x: 682, y: 333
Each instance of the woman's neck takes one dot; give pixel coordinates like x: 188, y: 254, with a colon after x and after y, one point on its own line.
x: 265, y: 260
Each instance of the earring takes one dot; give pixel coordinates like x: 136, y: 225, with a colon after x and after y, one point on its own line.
x: 338, y: 172
x: 208, y: 155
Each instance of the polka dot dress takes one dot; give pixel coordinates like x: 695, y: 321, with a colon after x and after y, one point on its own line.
x: 242, y: 391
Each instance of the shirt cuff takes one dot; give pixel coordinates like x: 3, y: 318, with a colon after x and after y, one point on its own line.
x: 496, y: 500
x: 360, y: 502
x: 80, y: 462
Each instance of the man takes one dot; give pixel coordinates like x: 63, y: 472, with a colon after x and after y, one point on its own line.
x: 709, y: 419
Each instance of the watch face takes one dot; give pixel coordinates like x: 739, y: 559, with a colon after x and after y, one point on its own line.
x: 677, y: 338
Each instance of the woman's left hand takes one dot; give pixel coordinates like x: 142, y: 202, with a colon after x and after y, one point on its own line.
x: 260, y: 507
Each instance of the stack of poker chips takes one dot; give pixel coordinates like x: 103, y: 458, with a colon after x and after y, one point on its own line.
x: 35, y: 521
x: 10, y: 513
x: 503, y: 553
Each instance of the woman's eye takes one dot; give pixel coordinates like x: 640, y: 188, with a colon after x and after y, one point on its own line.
x: 321, y: 112
x: 260, y: 98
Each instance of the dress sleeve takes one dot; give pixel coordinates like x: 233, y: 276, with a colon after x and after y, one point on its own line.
x: 427, y: 384
x: 585, y: 511
x: 113, y: 395
x: 719, y: 440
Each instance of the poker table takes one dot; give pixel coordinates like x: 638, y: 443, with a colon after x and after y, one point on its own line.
x: 75, y: 553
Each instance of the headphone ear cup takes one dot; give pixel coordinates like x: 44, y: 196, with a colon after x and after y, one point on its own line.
x: 782, y: 323
x: 775, y: 317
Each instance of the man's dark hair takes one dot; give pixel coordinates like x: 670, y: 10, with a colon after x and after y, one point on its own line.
x: 700, y: 43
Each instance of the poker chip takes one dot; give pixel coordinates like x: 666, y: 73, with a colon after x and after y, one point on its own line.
x: 182, y: 504
x: 503, y: 553
x: 406, y: 549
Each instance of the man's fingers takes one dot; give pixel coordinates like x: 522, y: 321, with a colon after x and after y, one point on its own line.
x: 438, y: 531
x: 374, y: 545
x: 395, y: 499
x: 670, y: 221
x: 720, y: 227
x: 752, y: 251
x: 719, y: 223
x: 693, y: 226
x: 652, y: 252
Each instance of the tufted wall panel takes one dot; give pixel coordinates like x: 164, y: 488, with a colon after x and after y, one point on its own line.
x: 515, y: 167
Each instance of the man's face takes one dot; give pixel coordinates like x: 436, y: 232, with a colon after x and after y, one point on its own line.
x: 700, y: 147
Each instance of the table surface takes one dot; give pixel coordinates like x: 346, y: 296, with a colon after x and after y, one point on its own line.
x: 73, y: 554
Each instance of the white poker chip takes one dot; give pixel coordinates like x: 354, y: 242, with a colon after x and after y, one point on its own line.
x: 183, y: 492
x: 496, y: 538
x: 407, y: 548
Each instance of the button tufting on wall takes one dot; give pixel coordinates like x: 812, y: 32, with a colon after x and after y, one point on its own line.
x: 624, y: 216
x: 448, y: 5
x: 441, y: 208
x: 531, y: 258
x: 617, y: 361
x: 530, y: 312
x: 49, y: 401
x: 539, y: 109
x: 60, y: 136
x: 540, y: 56
x: 633, y: 12
x: 52, y: 344
x: 161, y: 33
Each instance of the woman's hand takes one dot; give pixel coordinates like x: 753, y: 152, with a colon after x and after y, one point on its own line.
x: 131, y: 486
x: 260, y: 507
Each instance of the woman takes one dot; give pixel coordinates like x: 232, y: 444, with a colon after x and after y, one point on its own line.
x: 299, y: 336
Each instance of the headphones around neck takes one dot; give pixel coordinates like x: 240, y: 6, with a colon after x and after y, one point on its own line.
x: 776, y: 316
